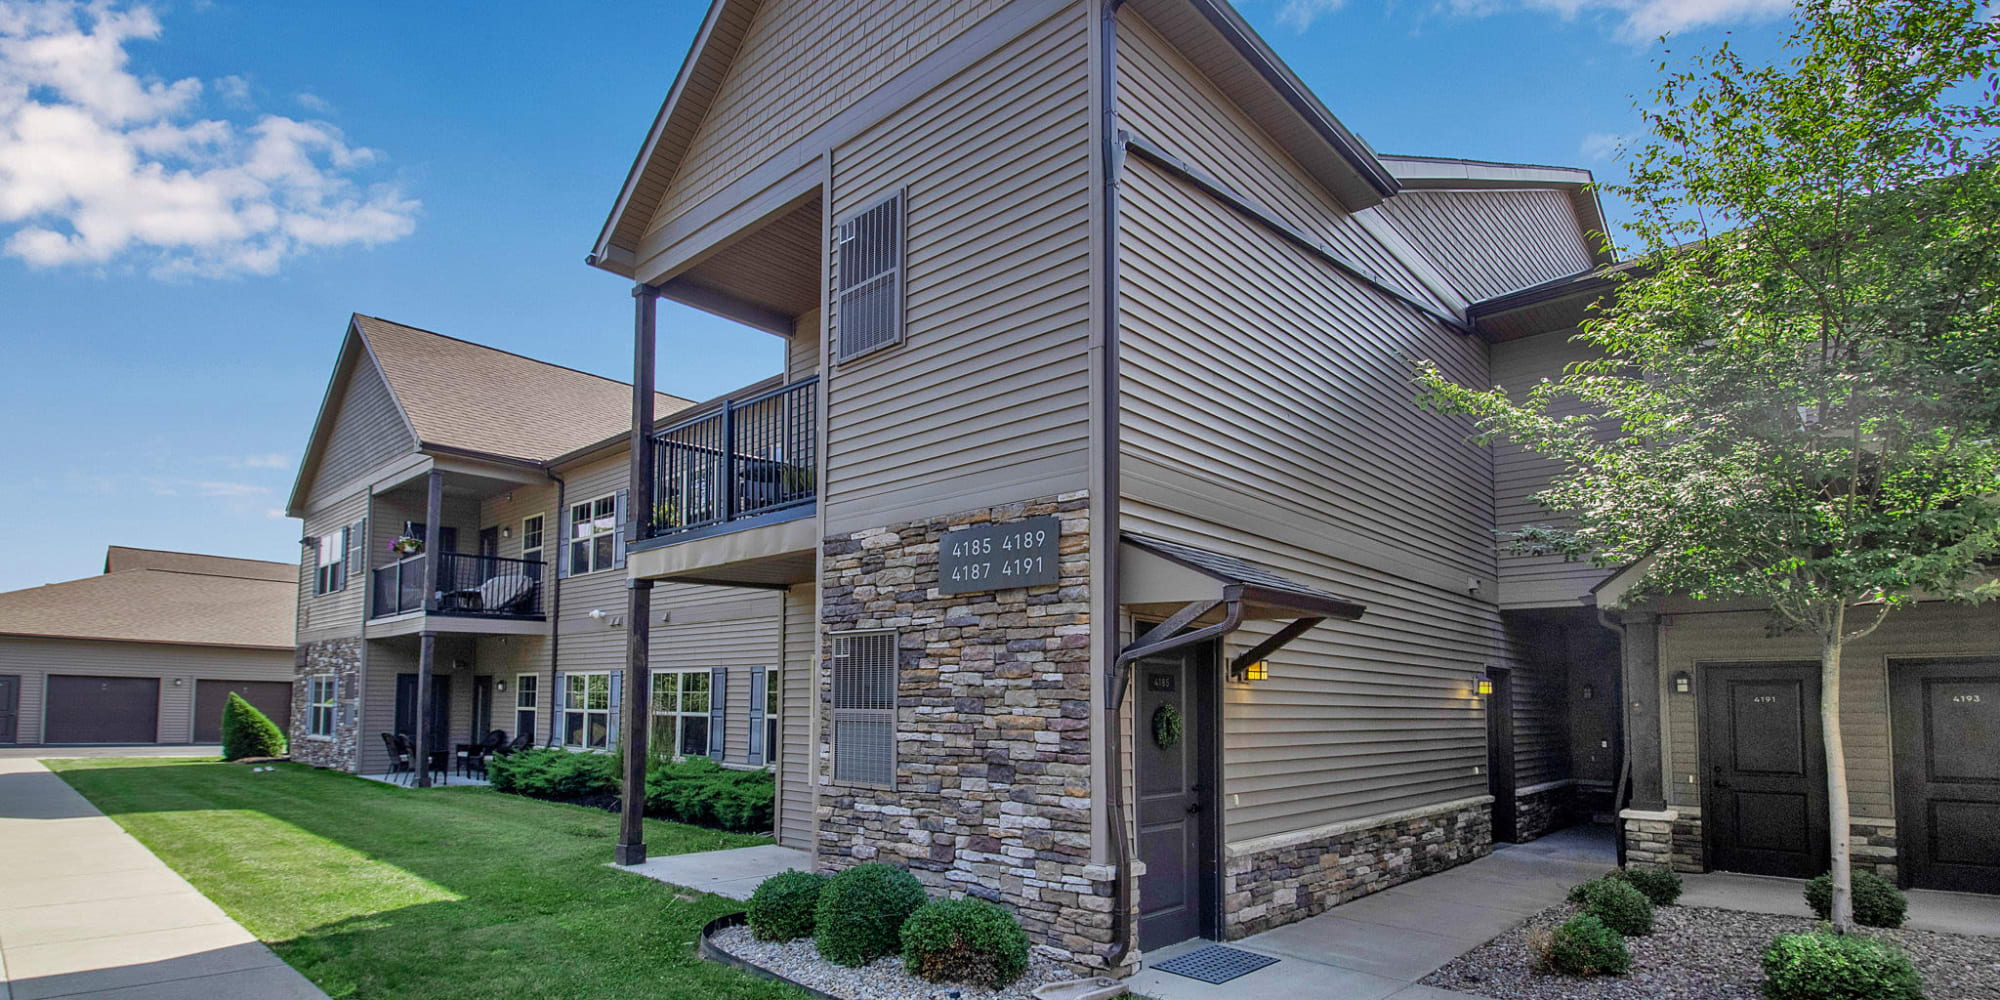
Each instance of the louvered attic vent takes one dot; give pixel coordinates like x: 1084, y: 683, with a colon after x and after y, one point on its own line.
x: 870, y: 259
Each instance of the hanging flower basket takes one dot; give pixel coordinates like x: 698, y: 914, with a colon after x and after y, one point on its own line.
x: 408, y: 545
x: 1166, y: 727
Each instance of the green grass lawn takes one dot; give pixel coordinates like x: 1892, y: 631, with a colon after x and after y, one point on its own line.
x: 377, y: 891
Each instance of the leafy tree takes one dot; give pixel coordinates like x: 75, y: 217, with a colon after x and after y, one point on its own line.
x: 1797, y: 394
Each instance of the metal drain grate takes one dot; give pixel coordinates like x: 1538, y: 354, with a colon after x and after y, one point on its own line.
x: 1216, y: 964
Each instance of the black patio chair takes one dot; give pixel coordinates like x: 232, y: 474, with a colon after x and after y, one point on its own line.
x: 472, y: 756
x: 399, y: 759
x: 524, y: 741
x: 439, y: 763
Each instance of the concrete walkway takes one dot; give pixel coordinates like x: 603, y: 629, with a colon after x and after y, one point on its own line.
x: 87, y: 911
x: 62, y: 752
x: 1377, y: 947
x: 734, y: 873
x: 1930, y: 910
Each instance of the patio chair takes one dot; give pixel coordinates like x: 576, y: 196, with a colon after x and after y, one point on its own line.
x: 524, y: 741
x: 505, y: 593
x: 472, y: 756
x: 439, y: 763
x: 399, y: 759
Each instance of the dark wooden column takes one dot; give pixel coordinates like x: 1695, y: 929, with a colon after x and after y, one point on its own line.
x: 427, y: 643
x: 639, y: 610
x: 1640, y: 655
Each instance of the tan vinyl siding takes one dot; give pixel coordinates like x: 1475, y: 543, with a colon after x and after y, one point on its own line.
x: 1534, y: 581
x: 727, y: 627
x: 589, y: 643
x: 800, y: 63
x: 385, y: 659
x: 1489, y: 243
x: 986, y: 400
x: 795, y: 793
x: 328, y: 616
x: 34, y: 659
x: 1932, y: 629
x: 802, y: 350
x: 367, y: 431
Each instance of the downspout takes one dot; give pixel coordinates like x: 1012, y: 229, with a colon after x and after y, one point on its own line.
x: 1625, y: 750
x: 545, y: 705
x: 1105, y: 490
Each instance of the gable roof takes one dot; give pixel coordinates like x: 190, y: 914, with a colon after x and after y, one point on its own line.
x: 119, y: 558
x: 146, y: 602
x: 1215, y: 37
x: 463, y: 397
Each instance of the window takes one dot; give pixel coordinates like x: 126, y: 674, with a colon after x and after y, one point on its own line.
x: 531, y: 538
x: 330, y: 570
x: 320, y: 704
x: 870, y: 258
x: 593, y: 530
x: 587, y: 711
x: 864, y: 707
x: 771, y: 715
x: 527, y: 697
x: 680, y: 713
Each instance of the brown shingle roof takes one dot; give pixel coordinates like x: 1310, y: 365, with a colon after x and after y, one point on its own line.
x: 154, y: 604
x: 119, y: 558
x: 467, y: 396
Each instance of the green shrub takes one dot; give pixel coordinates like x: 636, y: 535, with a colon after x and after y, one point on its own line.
x: 700, y: 791
x: 247, y: 732
x: 861, y: 913
x: 1581, y: 947
x: 1826, y: 966
x: 1614, y: 901
x: 1877, y: 901
x: 554, y: 774
x: 782, y: 908
x: 1661, y: 885
x: 965, y: 941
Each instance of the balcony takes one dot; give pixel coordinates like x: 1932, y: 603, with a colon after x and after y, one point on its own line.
x: 747, y: 464
x: 468, y: 586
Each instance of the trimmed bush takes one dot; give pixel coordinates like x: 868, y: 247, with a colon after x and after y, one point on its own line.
x: 1581, y: 947
x: 861, y: 913
x: 1877, y: 901
x: 965, y: 941
x: 558, y: 775
x: 1826, y: 966
x: 1614, y: 901
x: 1661, y: 885
x: 247, y: 732
x: 700, y: 791
x: 782, y: 908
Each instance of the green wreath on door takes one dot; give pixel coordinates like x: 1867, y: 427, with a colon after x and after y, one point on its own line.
x: 1167, y: 726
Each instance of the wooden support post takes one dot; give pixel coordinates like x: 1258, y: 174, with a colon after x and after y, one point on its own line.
x: 1640, y: 653
x: 638, y: 631
x: 427, y: 647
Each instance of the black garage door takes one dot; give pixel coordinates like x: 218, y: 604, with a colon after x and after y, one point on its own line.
x: 1947, y: 724
x: 273, y: 698
x: 102, y: 709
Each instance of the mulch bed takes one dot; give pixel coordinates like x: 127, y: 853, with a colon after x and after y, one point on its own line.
x: 1702, y: 954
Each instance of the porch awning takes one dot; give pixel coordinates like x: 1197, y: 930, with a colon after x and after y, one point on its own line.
x: 1159, y: 577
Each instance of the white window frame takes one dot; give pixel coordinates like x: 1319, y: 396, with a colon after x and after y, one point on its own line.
x: 596, y: 526
x: 678, y: 711
x: 774, y: 701
x: 540, y: 536
x: 585, y: 713
x: 323, y: 581
x: 527, y: 686
x: 322, y: 696
x: 853, y: 712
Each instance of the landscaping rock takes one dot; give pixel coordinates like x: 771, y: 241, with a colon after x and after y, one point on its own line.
x: 1702, y: 954
x: 882, y: 979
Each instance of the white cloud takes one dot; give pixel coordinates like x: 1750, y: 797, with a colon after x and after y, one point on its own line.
x: 269, y: 460
x: 1299, y: 15
x: 212, y: 488
x: 98, y: 163
x: 314, y: 103
x: 1599, y: 147
x: 1641, y: 20
x: 275, y: 513
x: 234, y: 89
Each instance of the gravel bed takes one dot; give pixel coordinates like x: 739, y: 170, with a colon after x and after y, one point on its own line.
x: 1702, y: 954
x: 882, y: 979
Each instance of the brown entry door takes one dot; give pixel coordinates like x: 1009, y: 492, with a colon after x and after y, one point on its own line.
x: 1946, y: 717
x: 102, y: 709
x: 1766, y: 801
x: 273, y: 698
x: 10, y: 707
x: 1174, y: 810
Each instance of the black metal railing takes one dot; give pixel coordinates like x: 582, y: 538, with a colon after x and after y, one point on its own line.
x: 480, y: 586
x: 753, y: 457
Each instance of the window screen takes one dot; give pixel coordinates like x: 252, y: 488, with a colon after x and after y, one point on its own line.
x: 870, y: 258
x: 864, y: 707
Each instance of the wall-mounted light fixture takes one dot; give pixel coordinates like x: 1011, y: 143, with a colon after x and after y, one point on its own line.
x: 1258, y: 671
x: 180, y: 681
x: 308, y: 542
x: 1485, y: 685
x: 1683, y: 683
x: 500, y: 685
x: 506, y: 532
x: 1589, y: 692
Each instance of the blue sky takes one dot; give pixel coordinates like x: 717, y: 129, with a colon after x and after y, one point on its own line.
x: 167, y: 334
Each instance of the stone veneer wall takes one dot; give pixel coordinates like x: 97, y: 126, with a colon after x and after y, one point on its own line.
x: 1677, y: 842
x: 1544, y: 811
x: 992, y: 794
x: 1295, y: 880
x: 341, y: 658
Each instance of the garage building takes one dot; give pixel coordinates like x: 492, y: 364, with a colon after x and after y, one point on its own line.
x: 148, y: 651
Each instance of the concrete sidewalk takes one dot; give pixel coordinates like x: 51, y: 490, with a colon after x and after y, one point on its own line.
x: 1379, y: 946
x: 87, y: 911
x: 734, y: 873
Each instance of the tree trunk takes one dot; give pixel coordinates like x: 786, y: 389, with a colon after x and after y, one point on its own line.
x: 1836, y: 771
